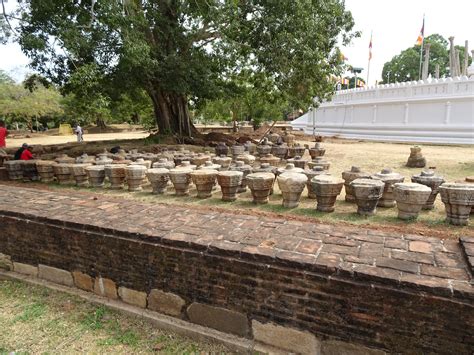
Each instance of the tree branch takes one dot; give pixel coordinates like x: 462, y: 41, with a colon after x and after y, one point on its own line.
x: 4, y: 11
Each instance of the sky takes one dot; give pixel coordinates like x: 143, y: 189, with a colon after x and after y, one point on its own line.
x: 395, y: 25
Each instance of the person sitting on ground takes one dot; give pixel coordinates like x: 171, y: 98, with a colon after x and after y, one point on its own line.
x: 26, y: 154
x: 20, y: 151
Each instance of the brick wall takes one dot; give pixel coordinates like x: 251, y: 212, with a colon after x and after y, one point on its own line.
x: 377, y: 308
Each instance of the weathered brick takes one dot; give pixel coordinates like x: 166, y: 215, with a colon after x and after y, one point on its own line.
x: 400, y: 265
x: 447, y: 273
x: 308, y: 246
x: 412, y: 256
x: 318, y: 298
x: 420, y: 247
x: 448, y: 260
x: 339, y: 249
x: 396, y: 243
x: 292, y: 340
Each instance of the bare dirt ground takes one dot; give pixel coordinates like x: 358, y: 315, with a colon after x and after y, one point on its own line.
x: 43, y: 139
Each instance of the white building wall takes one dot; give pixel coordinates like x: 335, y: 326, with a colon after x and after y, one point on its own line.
x: 433, y: 111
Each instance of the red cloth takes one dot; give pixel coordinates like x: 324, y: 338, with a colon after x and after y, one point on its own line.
x: 26, y: 155
x: 3, y: 134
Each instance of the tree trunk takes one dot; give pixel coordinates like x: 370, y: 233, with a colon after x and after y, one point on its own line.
x: 100, y: 123
x: 172, y: 114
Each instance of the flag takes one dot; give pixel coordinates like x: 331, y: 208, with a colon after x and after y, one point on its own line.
x: 421, y: 36
x: 370, y: 47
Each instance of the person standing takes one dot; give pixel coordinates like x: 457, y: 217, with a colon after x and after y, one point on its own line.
x: 3, y: 135
x: 79, y: 133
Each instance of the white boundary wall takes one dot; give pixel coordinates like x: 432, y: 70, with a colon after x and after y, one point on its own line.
x: 431, y: 111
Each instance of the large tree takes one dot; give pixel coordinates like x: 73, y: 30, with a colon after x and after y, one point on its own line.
x: 185, y: 50
x: 406, y: 65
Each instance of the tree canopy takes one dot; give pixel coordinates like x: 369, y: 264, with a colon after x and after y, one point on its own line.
x: 185, y: 51
x: 406, y: 65
x: 19, y: 104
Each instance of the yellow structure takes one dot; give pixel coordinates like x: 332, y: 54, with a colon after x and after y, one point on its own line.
x: 65, y: 129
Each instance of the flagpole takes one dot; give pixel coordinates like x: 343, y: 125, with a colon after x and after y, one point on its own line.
x: 421, y: 48
x: 370, y: 57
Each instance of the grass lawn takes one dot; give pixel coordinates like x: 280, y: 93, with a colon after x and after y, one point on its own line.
x: 35, y: 319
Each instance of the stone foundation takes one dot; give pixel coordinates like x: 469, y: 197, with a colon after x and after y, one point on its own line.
x: 313, y: 289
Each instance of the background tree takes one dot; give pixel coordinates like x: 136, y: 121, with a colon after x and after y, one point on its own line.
x: 183, y: 51
x: 406, y: 65
x: 19, y: 104
x: 249, y: 97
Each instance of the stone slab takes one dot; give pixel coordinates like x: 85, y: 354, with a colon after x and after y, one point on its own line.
x: 292, y: 340
x: 105, y: 287
x: 6, y: 262
x: 165, y: 302
x: 222, y: 319
x: 132, y: 297
x: 3, y: 174
x: 334, y: 347
x: 56, y: 275
x: 25, y: 269
x: 467, y: 247
x: 83, y: 281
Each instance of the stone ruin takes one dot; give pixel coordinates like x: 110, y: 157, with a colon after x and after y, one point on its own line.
x: 416, y: 159
x: 233, y: 170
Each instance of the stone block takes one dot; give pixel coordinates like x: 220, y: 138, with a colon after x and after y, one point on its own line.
x: 132, y: 297
x: 25, y: 269
x: 292, y: 340
x: 6, y: 262
x: 334, y: 347
x: 83, y: 281
x: 222, y: 319
x: 105, y: 287
x: 55, y: 275
x: 420, y: 247
x: 3, y: 174
x: 165, y: 302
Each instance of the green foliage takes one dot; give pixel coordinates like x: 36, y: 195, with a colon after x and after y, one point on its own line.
x: 406, y: 65
x: 94, y: 319
x: 249, y: 97
x: 18, y: 104
x: 5, y: 79
x: 177, y: 51
x: 134, y: 108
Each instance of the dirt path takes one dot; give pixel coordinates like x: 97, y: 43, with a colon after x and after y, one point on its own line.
x: 46, y: 139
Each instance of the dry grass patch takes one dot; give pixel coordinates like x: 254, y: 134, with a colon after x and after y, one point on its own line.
x: 37, y: 320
